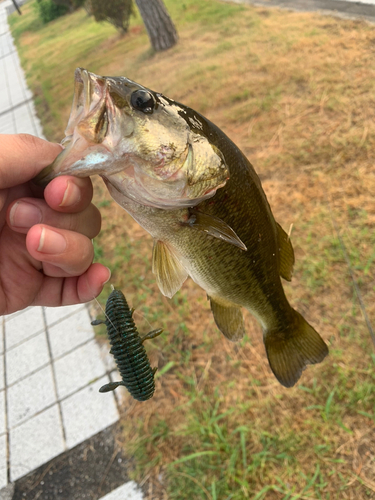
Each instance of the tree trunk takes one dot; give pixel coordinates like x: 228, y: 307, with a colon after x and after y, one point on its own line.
x: 159, y: 26
x: 16, y: 6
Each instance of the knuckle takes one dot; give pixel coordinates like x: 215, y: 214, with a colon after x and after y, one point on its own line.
x: 87, y: 222
x: 73, y: 223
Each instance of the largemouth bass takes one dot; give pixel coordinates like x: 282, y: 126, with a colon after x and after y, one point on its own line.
x: 183, y: 180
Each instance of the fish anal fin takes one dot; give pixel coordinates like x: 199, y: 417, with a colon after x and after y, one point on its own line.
x: 286, y: 254
x: 292, y: 348
x: 169, y: 272
x: 228, y: 319
x: 214, y: 227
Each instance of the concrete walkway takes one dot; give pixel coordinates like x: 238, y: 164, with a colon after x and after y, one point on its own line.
x: 51, y: 367
x: 351, y: 9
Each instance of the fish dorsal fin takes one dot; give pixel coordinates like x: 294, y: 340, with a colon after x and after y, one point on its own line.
x: 228, y: 319
x: 169, y: 273
x: 214, y: 227
x: 286, y: 254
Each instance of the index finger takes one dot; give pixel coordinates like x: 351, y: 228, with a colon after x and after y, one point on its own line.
x: 23, y: 156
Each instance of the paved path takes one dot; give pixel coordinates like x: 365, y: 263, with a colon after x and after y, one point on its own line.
x: 353, y: 9
x: 51, y: 367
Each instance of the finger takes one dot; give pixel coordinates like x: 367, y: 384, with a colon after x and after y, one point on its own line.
x: 25, y: 213
x: 74, y: 290
x: 54, y: 271
x: 23, y: 156
x: 70, y: 253
x: 69, y: 194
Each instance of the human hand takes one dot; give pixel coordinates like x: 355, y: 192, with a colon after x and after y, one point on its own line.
x: 46, y: 251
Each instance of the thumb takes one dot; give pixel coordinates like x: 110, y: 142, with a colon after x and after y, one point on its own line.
x: 23, y: 156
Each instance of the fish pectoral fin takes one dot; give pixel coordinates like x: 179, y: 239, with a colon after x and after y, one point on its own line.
x: 214, y: 227
x: 169, y: 272
x: 229, y: 320
x: 286, y: 254
x: 291, y: 349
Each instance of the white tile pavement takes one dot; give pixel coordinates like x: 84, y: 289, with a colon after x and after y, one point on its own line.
x: 15, y: 331
x: 47, y: 441
x: 3, y: 461
x: 51, y: 401
x: 2, y: 413
x: 128, y: 491
x: 78, y: 411
x: 2, y: 384
x: 54, y: 315
x: 17, y: 113
x: 78, y: 368
x: 70, y: 333
x: 38, y: 393
x: 1, y: 353
x: 51, y: 368
x: 27, y: 357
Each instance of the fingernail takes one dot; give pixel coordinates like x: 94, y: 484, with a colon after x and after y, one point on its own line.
x: 72, y: 195
x: 109, y: 276
x: 51, y: 242
x: 24, y: 214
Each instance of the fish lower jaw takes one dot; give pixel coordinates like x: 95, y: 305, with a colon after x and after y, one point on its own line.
x: 143, y: 197
x: 126, y: 185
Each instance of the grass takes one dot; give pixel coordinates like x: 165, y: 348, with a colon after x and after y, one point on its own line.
x: 296, y: 92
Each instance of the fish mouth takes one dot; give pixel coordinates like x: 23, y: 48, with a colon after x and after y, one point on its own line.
x: 92, y: 133
x: 90, y: 107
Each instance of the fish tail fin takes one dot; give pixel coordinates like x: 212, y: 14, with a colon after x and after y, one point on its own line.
x: 289, y: 349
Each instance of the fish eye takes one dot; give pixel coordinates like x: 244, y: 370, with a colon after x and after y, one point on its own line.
x: 143, y: 101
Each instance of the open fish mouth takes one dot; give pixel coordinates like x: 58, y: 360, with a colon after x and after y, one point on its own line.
x: 91, y: 135
x: 90, y: 108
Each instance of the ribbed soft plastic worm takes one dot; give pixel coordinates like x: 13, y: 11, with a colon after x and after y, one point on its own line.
x: 127, y: 349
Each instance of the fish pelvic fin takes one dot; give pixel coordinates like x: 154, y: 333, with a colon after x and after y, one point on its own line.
x: 228, y: 319
x: 169, y: 272
x: 291, y: 349
x: 286, y: 254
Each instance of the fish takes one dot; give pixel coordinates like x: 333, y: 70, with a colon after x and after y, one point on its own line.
x: 186, y: 183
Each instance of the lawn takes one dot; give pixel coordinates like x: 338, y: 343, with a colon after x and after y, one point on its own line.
x: 295, y: 91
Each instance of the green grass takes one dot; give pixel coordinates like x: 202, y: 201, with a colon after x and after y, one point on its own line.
x: 296, y: 92
x: 227, y: 453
